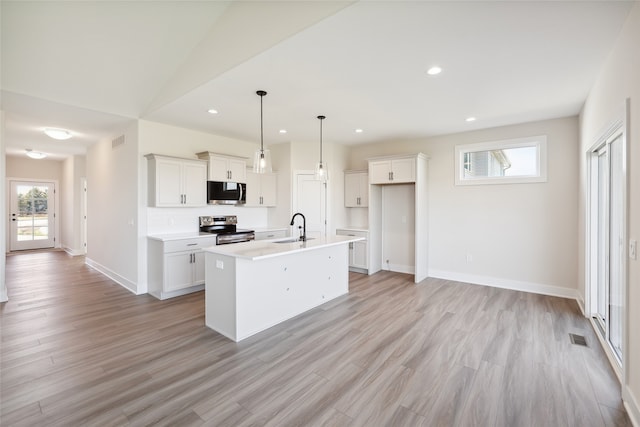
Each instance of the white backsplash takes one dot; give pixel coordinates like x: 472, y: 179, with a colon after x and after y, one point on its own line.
x: 185, y: 220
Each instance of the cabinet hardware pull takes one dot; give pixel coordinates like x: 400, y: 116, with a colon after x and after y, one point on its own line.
x: 192, y: 244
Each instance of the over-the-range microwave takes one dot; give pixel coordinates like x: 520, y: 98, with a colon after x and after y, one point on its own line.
x: 226, y: 193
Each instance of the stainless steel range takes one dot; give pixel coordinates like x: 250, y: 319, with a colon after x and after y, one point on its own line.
x: 225, y: 228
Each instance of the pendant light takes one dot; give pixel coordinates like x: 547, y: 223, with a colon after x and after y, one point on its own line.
x: 322, y: 172
x: 262, y: 158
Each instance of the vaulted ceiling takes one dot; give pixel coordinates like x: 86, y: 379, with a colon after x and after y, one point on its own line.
x: 92, y: 66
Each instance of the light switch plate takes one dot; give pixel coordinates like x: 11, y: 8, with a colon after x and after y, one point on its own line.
x: 633, y: 247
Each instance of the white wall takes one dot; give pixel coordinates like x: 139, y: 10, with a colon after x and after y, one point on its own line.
x: 73, y: 170
x: 3, y: 210
x: 521, y: 236
x: 112, y: 208
x: 619, y: 80
x: 280, y: 215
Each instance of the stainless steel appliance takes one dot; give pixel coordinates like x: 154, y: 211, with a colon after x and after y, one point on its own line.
x: 225, y: 228
x: 226, y: 193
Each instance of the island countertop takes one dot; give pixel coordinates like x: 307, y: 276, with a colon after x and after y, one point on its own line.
x: 261, y: 249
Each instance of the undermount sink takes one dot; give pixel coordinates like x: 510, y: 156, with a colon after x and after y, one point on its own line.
x: 293, y: 240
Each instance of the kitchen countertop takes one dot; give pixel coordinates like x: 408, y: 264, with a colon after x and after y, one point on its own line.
x: 353, y: 228
x: 179, y: 236
x: 261, y: 249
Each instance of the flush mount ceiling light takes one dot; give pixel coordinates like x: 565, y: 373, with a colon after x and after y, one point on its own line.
x: 35, y: 154
x: 434, y: 71
x: 359, y: 130
x: 262, y: 158
x: 283, y: 131
x: 60, y: 134
x: 322, y: 173
x: 212, y: 111
x: 470, y: 119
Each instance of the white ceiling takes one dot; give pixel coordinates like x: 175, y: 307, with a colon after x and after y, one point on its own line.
x: 91, y: 66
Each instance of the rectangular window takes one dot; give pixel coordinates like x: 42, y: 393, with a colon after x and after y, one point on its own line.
x: 509, y: 161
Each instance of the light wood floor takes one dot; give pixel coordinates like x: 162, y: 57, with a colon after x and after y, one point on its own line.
x: 79, y: 350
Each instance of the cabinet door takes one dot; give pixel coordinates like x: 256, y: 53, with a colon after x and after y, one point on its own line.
x: 178, y: 270
x: 404, y: 170
x: 237, y: 170
x: 253, y: 189
x: 198, y: 268
x: 351, y: 189
x: 363, y: 180
x: 358, y: 255
x: 379, y: 172
x: 218, y: 169
x: 195, y: 184
x: 269, y: 183
x: 168, y: 183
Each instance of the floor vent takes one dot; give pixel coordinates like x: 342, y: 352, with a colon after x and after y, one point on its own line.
x: 578, y: 340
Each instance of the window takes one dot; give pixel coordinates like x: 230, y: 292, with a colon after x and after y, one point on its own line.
x: 502, y: 162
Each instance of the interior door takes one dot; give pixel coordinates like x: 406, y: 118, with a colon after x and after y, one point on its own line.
x: 310, y: 200
x: 32, y: 215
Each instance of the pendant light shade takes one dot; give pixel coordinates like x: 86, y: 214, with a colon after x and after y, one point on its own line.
x: 322, y: 172
x: 262, y: 158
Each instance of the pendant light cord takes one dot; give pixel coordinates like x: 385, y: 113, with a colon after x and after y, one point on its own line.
x: 262, y: 94
x: 321, y: 119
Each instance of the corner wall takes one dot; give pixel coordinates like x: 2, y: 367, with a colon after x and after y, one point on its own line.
x: 73, y: 170
x: 112, y: 208
x: 618, y: 81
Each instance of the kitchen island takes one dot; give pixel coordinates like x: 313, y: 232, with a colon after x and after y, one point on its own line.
x: 252, y: 286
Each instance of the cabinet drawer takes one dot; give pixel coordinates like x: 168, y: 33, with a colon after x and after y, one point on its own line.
x: 188, y: 244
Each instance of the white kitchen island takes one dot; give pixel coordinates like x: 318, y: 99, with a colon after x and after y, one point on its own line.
x: 252, y: 286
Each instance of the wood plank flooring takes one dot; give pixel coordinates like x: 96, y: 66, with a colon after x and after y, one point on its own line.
x: 79, y: 350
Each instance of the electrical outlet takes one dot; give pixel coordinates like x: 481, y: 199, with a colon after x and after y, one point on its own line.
x: 220, y: 264
x: 633, y: 247
x: 469, y: 258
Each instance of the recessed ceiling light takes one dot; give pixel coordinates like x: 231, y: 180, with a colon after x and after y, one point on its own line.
x: 434, y: 71
x: 60, y: 134
x: 470, y: 119
x: 359, y: 131
x: 35, y: 154
x: 283, y: 131
x: 212, y: 111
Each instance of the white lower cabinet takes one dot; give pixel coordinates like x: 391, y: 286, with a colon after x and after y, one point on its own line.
x: 176, y: 267
x: 358, y: 251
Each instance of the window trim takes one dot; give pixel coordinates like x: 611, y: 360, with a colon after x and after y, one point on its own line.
x: 539, y: 141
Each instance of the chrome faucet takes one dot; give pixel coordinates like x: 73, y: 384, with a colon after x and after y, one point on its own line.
x: 303, y: 237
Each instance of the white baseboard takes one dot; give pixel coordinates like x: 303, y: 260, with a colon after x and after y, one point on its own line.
x: 125, y: 283
x: 399, y: 268
x: 631, y: 405
x: 516, y: 285
x: 73, y: 252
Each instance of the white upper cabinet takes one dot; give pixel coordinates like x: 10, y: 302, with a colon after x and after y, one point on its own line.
x: 356, y: 189
x: 176, y: 182
x: 225, y: 168
x: 392, y: 171
x: 261, y: 189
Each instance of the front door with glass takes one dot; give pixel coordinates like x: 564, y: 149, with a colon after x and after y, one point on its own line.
x: 32, y: 215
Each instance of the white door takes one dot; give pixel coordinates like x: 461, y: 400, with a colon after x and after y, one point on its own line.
x: 310, y: 201
x: 32, y: 215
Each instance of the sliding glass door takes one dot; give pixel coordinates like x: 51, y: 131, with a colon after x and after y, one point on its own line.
x: 608, y: 240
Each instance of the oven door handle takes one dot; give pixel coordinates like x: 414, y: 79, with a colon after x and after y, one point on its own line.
x: 240, y: 187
